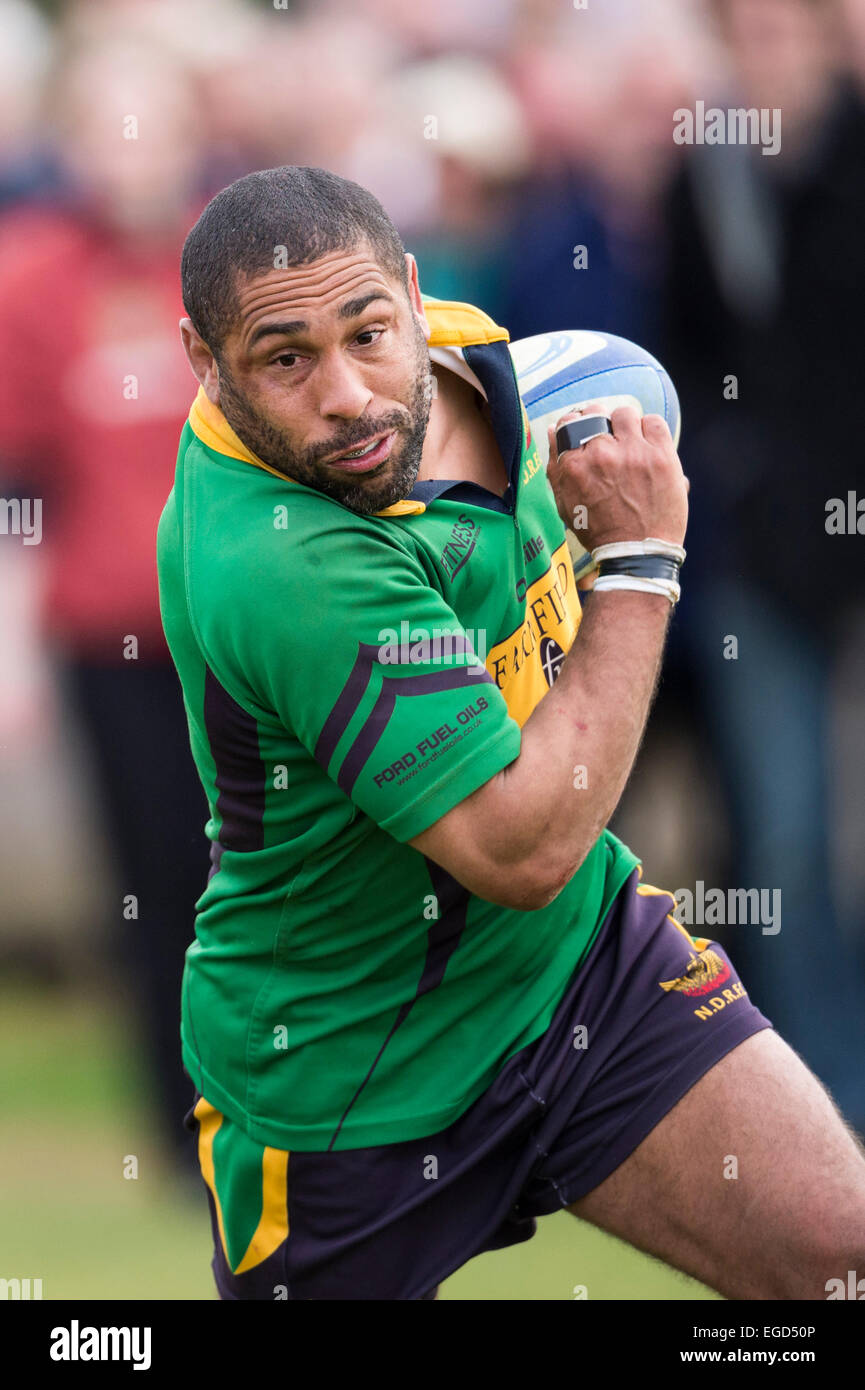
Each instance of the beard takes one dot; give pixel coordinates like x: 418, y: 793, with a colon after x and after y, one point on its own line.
x: 390, y: 482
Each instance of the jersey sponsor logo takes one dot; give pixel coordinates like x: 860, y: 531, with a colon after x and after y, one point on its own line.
x: 533, y: 546
x: 525, y: 663
x: 532, y: 466
x: 705, y: 976
x: 531, y: 458
x: 463, y: 539
x: 552, y: 657
x: 704, y: 973
x: 368, y: 671
x: 441, y: 740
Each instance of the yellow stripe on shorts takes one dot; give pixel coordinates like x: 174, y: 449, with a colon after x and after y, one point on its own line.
x: 272, y: 1228
x: 273, y: 1225
x: 209, y: 1120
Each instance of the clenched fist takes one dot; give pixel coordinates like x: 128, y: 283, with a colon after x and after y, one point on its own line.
x: 622, y: 486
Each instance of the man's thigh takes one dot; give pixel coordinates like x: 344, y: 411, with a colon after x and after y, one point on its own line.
x: 751, y: 1183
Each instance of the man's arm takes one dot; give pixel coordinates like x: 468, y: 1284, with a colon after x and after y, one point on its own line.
x: 522, y: 836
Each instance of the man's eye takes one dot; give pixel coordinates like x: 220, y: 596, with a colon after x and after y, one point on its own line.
x: 287, y: 359
x: 370, y: 334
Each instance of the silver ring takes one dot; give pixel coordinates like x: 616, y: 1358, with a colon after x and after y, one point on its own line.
x: 574, y: 434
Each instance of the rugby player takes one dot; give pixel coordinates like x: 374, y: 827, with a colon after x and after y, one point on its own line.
x: 430, y: 998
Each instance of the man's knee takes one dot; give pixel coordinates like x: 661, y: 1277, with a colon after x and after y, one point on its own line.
x: 822, y: 1256
x: 806, y: 1204
x: 794, y: 1217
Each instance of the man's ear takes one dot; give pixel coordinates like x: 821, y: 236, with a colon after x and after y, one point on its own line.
x: 201, y: 360
x: 414, y: 294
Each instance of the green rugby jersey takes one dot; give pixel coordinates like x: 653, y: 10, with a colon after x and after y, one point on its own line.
x: 348, y: 680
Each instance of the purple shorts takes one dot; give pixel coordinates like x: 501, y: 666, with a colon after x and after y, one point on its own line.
x: 648, y: 1013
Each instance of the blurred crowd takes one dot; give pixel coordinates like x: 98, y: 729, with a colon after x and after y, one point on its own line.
x: 501, y: 136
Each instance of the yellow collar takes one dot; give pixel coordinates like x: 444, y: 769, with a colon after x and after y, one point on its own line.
x: 451, y: 324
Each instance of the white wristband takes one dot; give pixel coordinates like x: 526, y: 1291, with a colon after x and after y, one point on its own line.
x: 621, y: 550
x: 668, y: 587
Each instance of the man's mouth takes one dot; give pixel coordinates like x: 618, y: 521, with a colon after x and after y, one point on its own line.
x: 365, y: 456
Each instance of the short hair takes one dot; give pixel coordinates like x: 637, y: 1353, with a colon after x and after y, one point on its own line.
x: 299, y: 212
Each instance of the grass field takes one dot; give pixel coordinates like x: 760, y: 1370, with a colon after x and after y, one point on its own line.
x: 69, y: 1078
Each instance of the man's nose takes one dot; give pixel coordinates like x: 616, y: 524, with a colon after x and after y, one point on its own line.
x: 342, y: 391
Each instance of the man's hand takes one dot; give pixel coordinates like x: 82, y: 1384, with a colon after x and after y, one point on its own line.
x: 620, y: 487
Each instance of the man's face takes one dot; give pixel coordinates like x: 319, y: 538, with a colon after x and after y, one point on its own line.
x: 325, y: 358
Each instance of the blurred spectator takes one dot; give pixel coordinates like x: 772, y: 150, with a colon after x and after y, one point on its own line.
x: 853, y: 23
x: 94, y: 389
x: 233, y: 63
x: 766, y: 299
x: 305, y: 91
x: 26, y: 168
x: 449, y: 26
x: 598, y: 90
x: 463, y: 144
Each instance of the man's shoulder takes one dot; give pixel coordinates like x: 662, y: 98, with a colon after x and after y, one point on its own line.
x: 455, y: 323
x: 241, y: 528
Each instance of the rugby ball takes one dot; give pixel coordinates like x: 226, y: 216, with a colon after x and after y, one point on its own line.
x: 557, y: 371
